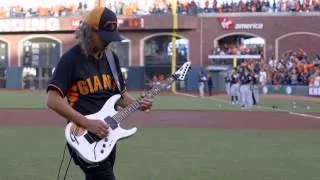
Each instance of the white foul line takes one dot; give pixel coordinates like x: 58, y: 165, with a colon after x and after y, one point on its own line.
x: 280, y: 110
x: 185, y: 94
x: 305, y: 115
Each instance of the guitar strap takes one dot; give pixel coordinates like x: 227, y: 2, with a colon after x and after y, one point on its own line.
x: 113, y: 67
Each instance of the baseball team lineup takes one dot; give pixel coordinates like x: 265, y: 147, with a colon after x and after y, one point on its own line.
x: 242, y: 86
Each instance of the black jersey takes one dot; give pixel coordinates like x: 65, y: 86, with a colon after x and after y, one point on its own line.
x: 255, y: 79
x: 86, y: 82
x: 246, y: 79
x: 234, y: 78
x: 227, y: 78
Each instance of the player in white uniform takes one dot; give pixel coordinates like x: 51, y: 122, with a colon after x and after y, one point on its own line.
x: 234, y: 86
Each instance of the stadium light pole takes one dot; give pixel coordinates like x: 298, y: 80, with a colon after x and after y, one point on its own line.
x: 173, y: 42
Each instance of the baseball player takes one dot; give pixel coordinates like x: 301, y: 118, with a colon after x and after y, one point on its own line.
x: 201, y: 83
x: 245, y: 90
x: 84, y: 77
x: 234, y: 86
x: 255, y: 89
x: 227, y: 80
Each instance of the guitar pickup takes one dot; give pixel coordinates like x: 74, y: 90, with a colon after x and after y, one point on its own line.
x: 91, y: 138
x: 111, y: 122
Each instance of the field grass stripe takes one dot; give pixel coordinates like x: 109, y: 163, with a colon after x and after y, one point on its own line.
x: 272, y: 109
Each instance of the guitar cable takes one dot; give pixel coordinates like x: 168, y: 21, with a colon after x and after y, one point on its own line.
x: 64, y: 151
x: 66, y: 172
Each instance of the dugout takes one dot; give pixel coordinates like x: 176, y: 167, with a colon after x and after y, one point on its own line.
x: 38, y: 56
x: 4, y: 62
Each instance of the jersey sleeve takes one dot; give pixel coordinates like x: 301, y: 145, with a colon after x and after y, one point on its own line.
x: 120, y: 75
x: 62, y: 77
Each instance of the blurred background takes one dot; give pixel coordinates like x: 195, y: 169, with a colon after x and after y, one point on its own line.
x: 276, y: 38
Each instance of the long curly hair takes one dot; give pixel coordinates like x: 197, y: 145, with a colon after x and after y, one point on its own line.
x: 84, y: 38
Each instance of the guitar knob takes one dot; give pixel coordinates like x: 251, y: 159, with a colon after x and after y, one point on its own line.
x: 105, y: 139
x: 102, y: 151
x: 104, y: 145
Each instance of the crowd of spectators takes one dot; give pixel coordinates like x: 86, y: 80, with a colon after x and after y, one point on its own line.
x: 58, y: 10
x: 142, y: 7
x: 242, y: 49
x: 292, y: 68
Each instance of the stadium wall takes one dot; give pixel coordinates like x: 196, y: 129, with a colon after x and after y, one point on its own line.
x: 291, y: 90
x: 281, y: 31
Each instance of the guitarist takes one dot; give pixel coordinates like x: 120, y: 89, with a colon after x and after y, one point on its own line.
x: 84, y: 77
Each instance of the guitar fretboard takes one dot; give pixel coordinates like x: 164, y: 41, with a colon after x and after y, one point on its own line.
x: 127, y: 111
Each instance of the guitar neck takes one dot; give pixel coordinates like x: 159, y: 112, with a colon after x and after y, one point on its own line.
x: 128, y: 110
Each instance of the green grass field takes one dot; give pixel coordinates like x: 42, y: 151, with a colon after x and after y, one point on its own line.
x: 16, y: 99
x: 167, y: 153
x: 34, y: 153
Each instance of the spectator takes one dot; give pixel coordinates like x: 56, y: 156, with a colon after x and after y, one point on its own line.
x: 293, y: 68
x: 193, y: 7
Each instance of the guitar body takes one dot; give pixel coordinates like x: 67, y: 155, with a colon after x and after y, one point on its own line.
x: 91, y: 148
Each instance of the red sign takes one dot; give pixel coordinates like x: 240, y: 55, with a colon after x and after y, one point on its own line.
x: 127, y: 23
x: 75, y: 23
x: 131, y: 23
x: 228, y: 24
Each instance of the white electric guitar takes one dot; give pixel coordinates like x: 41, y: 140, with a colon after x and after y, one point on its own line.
x: 93, y: 149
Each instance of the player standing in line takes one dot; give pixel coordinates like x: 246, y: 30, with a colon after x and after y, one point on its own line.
x: 255, y: 88
x: 246, y: 95
x: 227, y: 84
x: 210, y: 84
x: 234, y: 86
x: 242, y: 79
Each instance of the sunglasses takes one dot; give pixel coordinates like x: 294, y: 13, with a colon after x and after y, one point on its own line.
x: 110, y: 26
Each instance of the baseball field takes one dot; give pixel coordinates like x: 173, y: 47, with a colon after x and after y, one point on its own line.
x: 184, y: 138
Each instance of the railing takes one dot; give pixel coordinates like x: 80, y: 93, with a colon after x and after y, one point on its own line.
x: 250, y: 14
x: 228, y: 60
x: 234, y: 56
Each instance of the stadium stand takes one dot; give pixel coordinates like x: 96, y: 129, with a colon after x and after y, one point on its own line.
x: 158, y: 7
x: 293, y: 68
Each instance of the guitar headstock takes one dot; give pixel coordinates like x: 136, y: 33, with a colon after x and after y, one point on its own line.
x: 181, y: 73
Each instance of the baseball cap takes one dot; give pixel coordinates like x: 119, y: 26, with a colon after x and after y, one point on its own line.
x: 105, y: 22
